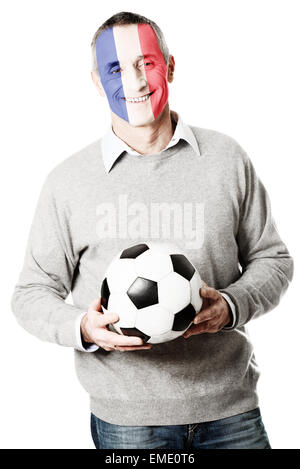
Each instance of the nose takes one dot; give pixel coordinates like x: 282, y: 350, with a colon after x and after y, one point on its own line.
x: 136, y: 81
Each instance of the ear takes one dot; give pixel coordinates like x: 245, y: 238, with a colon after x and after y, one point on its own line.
x: 97, y: 82
x: 171, y: 68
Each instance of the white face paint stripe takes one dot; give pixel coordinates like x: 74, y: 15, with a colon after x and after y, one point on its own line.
x: 134, y: 83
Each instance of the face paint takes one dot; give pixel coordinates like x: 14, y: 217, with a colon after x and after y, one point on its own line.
x: 133, y: 72
x: 108, y: 66
x: 155, y: 68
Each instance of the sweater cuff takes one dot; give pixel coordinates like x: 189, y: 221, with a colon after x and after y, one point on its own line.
x: 239, y: 299
x: 80, y: 344
x: 232, y: 311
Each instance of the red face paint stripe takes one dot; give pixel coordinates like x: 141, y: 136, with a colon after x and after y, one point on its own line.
x: 156, y: 73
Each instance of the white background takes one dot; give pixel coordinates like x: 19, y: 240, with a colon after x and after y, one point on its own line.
x: 237, y: 71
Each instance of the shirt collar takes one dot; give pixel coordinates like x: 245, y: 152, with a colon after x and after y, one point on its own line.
x: 112, y: 146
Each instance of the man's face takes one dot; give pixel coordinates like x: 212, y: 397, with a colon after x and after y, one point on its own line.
x: 131, y: 66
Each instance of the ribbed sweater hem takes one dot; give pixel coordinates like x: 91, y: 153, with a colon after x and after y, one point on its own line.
x: 173, y: 412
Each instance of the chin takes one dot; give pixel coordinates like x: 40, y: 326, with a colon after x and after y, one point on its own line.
x: 140, y: 121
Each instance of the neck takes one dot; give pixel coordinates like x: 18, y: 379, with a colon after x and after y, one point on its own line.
x: 148, y: 139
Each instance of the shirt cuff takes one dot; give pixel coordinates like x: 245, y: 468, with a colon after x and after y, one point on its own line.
x: 86, y: 347
x: 233, y: 313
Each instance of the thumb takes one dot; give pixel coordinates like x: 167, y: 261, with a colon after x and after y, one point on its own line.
x: 209, y: 292
x: 95, y: 305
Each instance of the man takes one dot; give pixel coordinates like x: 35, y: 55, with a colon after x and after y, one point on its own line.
x: 198, y: 391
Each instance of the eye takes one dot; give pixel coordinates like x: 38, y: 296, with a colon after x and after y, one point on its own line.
x: 115, y: 70
x: 145, y: 64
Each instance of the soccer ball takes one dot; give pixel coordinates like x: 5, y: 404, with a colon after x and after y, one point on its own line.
x: 154, y: 289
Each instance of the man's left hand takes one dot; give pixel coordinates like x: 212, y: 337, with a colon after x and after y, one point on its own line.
x: 214, y: 314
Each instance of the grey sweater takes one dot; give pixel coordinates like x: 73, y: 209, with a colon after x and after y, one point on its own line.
x: 215, y: 208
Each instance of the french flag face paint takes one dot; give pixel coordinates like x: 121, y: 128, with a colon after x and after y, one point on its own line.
x: 133, y: 72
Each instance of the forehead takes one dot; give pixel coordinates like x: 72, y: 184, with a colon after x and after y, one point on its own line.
x: 127, y: 43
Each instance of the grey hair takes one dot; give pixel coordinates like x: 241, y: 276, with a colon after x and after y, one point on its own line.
x: 125, y: 18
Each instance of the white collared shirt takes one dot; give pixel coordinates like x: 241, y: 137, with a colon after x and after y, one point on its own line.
x: 112, y: 146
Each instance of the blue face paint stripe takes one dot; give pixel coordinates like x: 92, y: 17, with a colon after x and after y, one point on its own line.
x: 106, y: 53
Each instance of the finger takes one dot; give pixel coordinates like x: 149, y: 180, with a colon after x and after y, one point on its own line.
x: 95, y: 305
x: 208, y: 313
x: 205, y: 302
x: 131, y: 349
x: 108, y: 349
x: 209, y: 292
x: 207, y: 326
x: 189, y: 331
x: 112, y: 338
x: 106, y: 319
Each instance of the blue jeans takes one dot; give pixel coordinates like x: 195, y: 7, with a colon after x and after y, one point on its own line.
x: 242, y: 431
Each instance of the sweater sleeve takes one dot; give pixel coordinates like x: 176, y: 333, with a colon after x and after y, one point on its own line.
x: 267, y: 267
x: 38, y: 300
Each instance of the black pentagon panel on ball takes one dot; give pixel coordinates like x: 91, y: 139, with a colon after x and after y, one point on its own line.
x: 132, y: 331
x: 134, y: 251
x: 182, y: 266
x: 183, y: 318
x: 104, y: 293
x: 143, y: 292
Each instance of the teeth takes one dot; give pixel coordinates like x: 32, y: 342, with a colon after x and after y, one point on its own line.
x: 138, y: 100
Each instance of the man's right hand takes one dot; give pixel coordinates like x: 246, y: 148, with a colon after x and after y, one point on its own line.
x: 94, y: 330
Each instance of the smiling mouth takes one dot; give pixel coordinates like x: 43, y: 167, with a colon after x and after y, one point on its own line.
x: 140, y: 99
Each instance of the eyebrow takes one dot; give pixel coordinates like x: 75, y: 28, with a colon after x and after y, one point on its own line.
x: 139, y: 57
x: 145, y: 56
x: 112, y: 64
